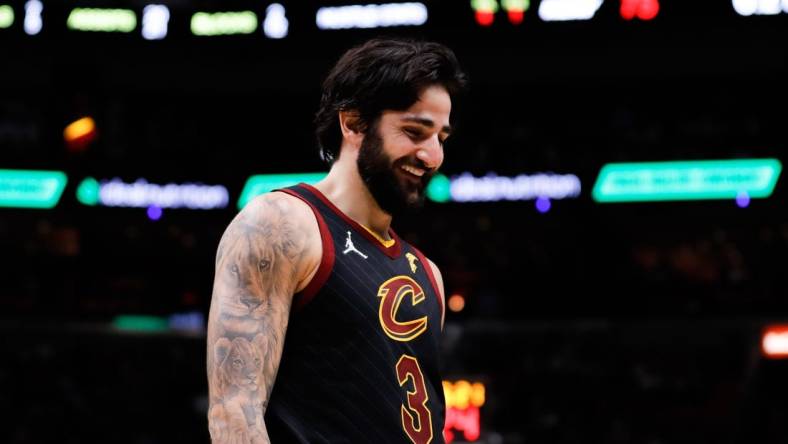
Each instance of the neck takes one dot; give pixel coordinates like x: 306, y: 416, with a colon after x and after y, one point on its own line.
x: 345, y: 188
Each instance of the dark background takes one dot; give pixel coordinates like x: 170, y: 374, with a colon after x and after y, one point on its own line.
x: 591, y: 323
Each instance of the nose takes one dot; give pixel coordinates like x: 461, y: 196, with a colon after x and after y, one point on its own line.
x: 431, y: 153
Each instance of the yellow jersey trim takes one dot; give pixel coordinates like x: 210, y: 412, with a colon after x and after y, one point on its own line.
x: 386, y: 243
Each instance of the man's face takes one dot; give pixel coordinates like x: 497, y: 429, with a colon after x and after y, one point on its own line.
x: 403, y: 149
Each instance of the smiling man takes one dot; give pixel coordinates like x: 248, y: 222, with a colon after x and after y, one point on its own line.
x: 324, y: 324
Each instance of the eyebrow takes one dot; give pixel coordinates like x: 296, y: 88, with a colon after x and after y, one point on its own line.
x: 426, y: 122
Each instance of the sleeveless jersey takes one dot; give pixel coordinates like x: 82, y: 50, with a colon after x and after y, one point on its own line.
x: 360, y: 360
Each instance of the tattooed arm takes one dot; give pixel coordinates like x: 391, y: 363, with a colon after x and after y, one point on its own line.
x: 268, y: 252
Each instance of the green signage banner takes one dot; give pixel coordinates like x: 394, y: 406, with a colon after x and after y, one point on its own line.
x: 686, y: 180
x: 263, y: 183
x: 31, y: 188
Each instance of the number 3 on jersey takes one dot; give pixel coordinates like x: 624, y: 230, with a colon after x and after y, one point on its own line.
x: 416, y: 418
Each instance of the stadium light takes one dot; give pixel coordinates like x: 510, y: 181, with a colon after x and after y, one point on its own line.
x: 140, y: 323
x: 543, y: 204
x: 760, y: 7
x: 565, y: 10
x: 774, y: 342
x: 462, y: 394
x: 33, y: 22
x: 155, y: 19
x: 275, y: 25
x: 80, y: 133
x: 6, y: 16
x: 371, y: 16
x: 515, y: 10
x: 463, y: 401
x: 641, y: 9
x: 88, y: 192
x: 465, y: 420
x: 223, y: 23
x: 456, y: 302
x: 101, y: 20
x: 31, y: 188
x: 154, y: 212
x: 484, y: 11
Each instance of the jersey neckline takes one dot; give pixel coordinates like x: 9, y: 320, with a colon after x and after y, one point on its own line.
x: 392, y: 251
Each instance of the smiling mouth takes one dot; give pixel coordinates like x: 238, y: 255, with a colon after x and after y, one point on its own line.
x: 414, y: 171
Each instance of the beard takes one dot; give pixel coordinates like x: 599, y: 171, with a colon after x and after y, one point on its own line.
x: 393, y: 193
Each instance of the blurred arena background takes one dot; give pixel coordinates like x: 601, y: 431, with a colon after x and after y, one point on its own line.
x: 597, y: 293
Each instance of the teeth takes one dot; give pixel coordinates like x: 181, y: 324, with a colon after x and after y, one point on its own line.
x: 413, y: 170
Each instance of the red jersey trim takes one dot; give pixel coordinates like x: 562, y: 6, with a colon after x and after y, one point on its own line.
x: 326, y: 261
x: 428, y: 268
x: 393, y: 251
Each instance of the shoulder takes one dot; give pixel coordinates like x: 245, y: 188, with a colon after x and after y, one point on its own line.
x: 436, y: 273
x: 277, y: 206
x: 278, y: 226
x: 276, y: 217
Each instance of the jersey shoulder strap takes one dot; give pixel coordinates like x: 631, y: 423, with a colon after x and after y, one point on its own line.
x: 327, y: 258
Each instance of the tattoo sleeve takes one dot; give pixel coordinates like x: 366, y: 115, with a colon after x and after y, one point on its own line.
x: 256, y: 267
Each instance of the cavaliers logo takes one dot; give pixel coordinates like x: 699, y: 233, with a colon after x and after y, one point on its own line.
x: 391, y: 294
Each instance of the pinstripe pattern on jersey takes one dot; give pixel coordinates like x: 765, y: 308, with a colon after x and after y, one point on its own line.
x: 337, y: 380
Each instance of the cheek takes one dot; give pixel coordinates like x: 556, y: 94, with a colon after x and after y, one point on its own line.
x: 397, y: 146
x: 395, y: 151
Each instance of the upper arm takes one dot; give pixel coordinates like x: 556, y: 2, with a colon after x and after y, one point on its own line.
x: 439, y: 281
x: 261, y: 260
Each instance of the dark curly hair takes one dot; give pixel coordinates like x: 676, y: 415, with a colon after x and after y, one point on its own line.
x: 381, y: 74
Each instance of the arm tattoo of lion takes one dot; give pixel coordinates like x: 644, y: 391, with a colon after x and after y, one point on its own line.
x: 256, y: 265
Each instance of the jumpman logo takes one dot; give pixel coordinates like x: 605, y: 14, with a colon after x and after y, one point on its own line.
x: 412, y: 261
x: 350, y: 247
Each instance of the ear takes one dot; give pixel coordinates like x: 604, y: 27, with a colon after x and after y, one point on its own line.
x: 352, y: 129
x: 221, y: 350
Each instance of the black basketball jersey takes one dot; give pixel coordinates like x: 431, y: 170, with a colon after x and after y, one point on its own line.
x: 360, y: 359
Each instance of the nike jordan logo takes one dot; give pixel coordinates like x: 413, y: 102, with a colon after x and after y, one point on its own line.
x: 350, y: 247
x: 412, y: 261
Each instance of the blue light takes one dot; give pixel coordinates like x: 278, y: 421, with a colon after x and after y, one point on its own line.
x: 743, y: 199
x: 543, y: 204
x: 192, y: 321
x: 154, y: 213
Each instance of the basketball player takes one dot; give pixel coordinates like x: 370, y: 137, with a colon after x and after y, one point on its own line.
x: 324, y: 324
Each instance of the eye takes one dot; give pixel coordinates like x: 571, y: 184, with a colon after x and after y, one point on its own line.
x: 264, y: 264
x: 238, y: 363
x: 234, y: 269
x: 413, y: 133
